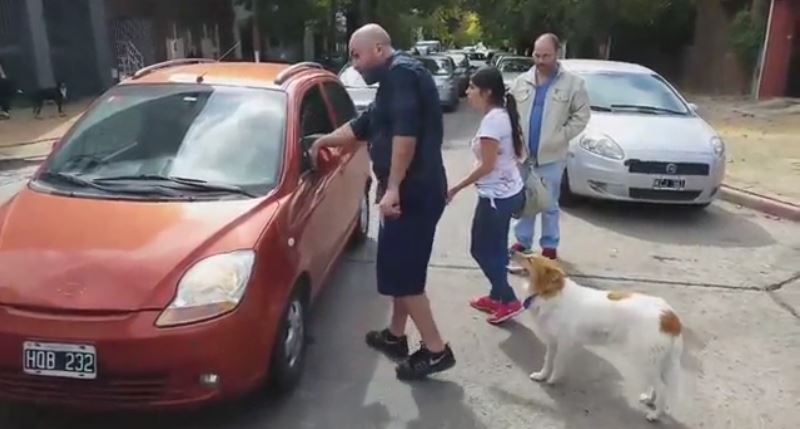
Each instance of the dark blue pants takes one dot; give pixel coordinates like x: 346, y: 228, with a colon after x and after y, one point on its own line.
x: 489, y: 247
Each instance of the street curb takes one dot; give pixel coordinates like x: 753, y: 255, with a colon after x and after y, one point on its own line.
x: 762, y: 203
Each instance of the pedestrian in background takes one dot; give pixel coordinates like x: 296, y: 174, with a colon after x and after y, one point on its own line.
x: 554, y: 108
x: 405, y: 131
x: 498, y: 148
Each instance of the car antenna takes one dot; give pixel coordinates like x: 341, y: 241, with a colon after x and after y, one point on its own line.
x: 228, y: 52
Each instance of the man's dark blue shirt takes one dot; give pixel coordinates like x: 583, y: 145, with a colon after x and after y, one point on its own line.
x: 406, y: 105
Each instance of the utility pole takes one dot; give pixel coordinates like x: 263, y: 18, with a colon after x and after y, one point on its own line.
x: 256, y: 32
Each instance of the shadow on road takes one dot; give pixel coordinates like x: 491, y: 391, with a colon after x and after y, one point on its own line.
x: 714, y: 226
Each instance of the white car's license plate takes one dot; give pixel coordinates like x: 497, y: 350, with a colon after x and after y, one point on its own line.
x: 59, y: 360
x: 669, y: 183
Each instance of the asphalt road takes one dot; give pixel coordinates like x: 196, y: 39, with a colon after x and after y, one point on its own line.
x: 733, y: 275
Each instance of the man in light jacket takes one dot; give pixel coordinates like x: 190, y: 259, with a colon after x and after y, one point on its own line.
x: 554, y: 108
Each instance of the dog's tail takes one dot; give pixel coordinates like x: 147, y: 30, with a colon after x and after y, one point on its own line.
x: 671, y: 371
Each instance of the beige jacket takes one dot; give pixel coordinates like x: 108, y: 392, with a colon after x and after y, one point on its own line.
x: 566, y: 112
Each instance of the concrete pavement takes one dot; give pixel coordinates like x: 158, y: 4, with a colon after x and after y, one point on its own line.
x: 731, y: 273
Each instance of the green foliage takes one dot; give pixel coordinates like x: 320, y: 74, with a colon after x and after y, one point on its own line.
x: 746, y: 38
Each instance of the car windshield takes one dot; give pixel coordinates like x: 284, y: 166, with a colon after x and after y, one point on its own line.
x: 477, y: 56
x: 189, y: 138
x: 438, y: 66
x: 632, y: 91
x: 515, y: 65
x: 351, y: 78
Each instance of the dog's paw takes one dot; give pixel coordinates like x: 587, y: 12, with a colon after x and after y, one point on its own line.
x: 647, y: 399
x: 652, y: 416
x: 553, y: 380
x: 538, y: 376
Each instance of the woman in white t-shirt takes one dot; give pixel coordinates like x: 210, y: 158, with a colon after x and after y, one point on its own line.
x: 498, y: 149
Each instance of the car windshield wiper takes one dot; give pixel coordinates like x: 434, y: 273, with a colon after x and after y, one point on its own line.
x: 75, y: 180
x: 649, y: 109
x: 199, y: 184
x: 601, y: 108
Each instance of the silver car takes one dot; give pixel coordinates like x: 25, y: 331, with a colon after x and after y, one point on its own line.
x: 443, y: 70
x: 361, y: 93
x: 644, y: 142
x: 512, y: 67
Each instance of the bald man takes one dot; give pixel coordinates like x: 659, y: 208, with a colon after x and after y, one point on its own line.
x: 554, y: 108
x: 404, y: 129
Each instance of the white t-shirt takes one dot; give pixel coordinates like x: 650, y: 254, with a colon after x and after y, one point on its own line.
x: 505, y: 180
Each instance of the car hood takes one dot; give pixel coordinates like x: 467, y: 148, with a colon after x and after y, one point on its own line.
x: 641, y: 133
x: 81, y: 254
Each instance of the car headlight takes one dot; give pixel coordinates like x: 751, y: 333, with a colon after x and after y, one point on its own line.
x: 719, y: 146
x: 603, y: 146
x: 210, y: 288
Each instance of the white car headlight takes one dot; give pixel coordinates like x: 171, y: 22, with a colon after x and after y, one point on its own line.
x: 719, y: 146
x: 603, y: 146
x: 210, y: 288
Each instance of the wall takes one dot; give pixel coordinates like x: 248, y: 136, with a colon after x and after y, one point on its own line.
x: 784, y: 18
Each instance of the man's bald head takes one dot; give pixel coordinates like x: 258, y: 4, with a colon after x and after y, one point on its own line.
x: 370, y: 46
x: 545, y: 53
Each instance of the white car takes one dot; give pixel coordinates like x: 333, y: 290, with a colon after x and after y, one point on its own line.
x: 362, y: 94
x: 644, y: 142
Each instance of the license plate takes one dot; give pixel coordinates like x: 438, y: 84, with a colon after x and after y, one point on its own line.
x: 669, y: 183
x: 59, y: 360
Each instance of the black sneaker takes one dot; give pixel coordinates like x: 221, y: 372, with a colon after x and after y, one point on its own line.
x: 424, y: 363
x: 384, y: 341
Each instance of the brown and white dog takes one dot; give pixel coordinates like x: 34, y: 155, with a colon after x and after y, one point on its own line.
x: 645, y: 328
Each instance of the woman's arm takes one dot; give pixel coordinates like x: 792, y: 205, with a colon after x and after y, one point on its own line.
x: 489, y: 149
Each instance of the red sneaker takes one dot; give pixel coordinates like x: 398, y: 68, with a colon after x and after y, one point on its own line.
x: 484, y: 304
x: 550, y: 254
x: 505, y: 312
x: 517, y: 247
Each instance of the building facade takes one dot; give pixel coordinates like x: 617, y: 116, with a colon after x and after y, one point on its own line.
x: 92, y: 44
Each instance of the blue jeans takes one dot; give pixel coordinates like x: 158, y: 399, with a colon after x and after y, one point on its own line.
x: 551, y: 174
x: 490, y: 242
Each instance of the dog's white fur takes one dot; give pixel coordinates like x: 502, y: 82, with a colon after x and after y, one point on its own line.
x: 569, y: 315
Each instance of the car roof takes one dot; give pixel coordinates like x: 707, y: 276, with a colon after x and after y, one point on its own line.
x: 259, y: 75
x: 581, y: 65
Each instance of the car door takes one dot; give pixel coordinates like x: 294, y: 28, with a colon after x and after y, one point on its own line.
x: 353, y: 158
x: 315, y: 199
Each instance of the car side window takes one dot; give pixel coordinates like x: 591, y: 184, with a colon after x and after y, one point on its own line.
x: 343, y: 107
x: 314, y: 117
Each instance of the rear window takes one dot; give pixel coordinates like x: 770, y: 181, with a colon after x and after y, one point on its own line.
x: 438, y: 66
x: 219, y: 134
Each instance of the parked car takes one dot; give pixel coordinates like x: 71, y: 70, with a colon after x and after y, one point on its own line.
x: 443, y: 70
x: 512, y: 67
x: 362, y: 94
x: 494, y: 57
x: 644, y: 142
x: 463, y: 70
x: 428, y: 47
x: 168, y: 251
x: 477, y: 60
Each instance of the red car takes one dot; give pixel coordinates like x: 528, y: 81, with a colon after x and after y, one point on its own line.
x: 168, y: 250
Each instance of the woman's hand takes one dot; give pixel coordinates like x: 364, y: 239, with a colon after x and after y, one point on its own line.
x: 452, y: 193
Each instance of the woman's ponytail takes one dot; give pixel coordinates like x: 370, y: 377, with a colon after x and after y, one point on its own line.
x: 516, y: 130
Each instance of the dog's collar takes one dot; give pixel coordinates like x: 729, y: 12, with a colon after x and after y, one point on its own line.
x: 528, y: 301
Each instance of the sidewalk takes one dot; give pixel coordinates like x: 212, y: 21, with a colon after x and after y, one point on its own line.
x: 763, y: 142
x: 23, y: 137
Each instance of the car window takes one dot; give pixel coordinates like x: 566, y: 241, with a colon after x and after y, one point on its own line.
x: 343, y: 108
x: 438, y: 66
x: 458, y: 58
x: 314, y: 117
x: 223, y: 134
x: 515, y: 65
x: 608, y: 89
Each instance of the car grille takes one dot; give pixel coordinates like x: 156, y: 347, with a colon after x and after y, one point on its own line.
x: 663, y: 195
x: 659, y: 167
x: 113, y: 391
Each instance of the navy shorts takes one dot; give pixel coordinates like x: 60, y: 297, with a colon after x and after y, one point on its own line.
x: 405, y: 244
